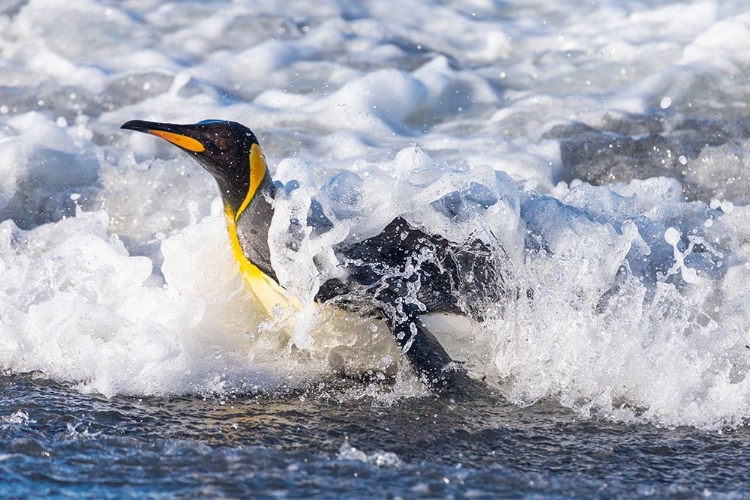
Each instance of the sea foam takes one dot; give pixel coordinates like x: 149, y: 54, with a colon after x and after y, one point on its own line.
x: 601, y: 151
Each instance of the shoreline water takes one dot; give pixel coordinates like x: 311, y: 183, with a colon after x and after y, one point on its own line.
x: 313, y: 446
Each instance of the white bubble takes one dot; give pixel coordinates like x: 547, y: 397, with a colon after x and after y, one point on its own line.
x: 682, y: 160
x: 665, y: 103
x: 672, y: 236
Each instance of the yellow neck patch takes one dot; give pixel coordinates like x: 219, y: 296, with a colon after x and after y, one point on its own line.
x: 270, y: 294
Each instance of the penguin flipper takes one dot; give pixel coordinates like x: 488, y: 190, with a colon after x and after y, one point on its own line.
x: 429, y: 359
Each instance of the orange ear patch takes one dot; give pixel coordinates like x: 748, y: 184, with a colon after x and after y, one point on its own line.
x: 257, y: 168
x: 257, y: 172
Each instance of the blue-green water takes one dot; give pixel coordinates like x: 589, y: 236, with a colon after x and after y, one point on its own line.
x: 55, y: 442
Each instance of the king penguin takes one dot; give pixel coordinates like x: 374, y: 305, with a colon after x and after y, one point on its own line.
x: 400, y: 275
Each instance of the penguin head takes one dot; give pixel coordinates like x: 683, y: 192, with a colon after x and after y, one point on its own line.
x: 228, y: 150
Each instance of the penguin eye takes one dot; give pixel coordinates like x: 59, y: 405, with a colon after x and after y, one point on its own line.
x: 223, y: 142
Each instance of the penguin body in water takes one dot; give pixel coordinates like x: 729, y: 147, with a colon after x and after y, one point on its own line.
x: 399, y: 275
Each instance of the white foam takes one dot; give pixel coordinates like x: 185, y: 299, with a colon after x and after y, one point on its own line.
x: 379, y: 99
x: 121, y: 280
x: 722, y: 44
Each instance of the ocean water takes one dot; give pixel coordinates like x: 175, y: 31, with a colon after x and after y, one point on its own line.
x: 601, y: 149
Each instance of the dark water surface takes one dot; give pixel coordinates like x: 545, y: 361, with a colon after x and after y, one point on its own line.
x: 56, y: 442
